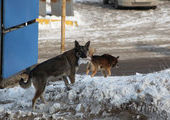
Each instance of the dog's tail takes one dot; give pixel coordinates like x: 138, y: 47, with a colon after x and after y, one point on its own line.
x: 25, y: 84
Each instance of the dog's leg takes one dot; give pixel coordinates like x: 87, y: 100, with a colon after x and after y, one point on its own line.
x: 42, y: 99
x: 66, y: 82
x: 37, y: 95
x: 104, y: 73
x: 94, y: 70
x: 109, y: 72
x: 88, y: 69
x: 87, y: 72
x: 72, y: 78
x: 39, y: 84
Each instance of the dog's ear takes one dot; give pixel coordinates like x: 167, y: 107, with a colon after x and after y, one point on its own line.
x: 76, y: 44
x: 117, y: 57
x: 87, y: 44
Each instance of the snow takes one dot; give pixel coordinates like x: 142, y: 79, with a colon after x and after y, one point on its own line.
x: 152, y: 89
x: 79, y: 108
x: 141, y: 93
x: 54, y: 108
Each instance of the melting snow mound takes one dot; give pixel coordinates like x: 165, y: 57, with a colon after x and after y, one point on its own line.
x: 139, y: 96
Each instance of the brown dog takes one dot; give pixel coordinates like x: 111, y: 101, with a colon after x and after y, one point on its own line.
x: 104, y: 63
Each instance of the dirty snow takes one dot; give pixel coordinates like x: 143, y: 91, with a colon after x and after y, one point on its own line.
x: 88, y: 95
x: 142, y: 94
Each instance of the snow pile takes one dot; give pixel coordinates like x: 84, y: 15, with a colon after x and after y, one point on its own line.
x: 145, y: 95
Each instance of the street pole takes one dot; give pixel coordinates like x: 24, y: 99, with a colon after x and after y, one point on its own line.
x: 63, y: 17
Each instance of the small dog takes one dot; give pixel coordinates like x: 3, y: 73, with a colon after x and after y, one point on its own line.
x: 63, y: 66
x: 104, y: 63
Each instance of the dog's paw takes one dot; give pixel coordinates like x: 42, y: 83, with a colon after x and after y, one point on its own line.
x: 105, y: 76
x: 68, y: 88
x: 87, y: 72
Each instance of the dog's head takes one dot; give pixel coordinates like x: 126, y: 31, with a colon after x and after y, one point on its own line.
x: 116, y: 62
x: 81, y: 51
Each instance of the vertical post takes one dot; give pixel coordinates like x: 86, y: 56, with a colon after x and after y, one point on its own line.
x: 63, y: 16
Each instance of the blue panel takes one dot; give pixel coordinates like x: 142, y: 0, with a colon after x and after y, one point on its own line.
x: 20, y: 49
x: 0, y: 39
x: 17, y: 12
x: 0, y: 15
x: 0, y: 19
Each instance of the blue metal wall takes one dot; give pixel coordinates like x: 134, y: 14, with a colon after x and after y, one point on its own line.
x: 20, y: 45
x: 20, y: 49
x: 17, y: 12
x: 0, y: 42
